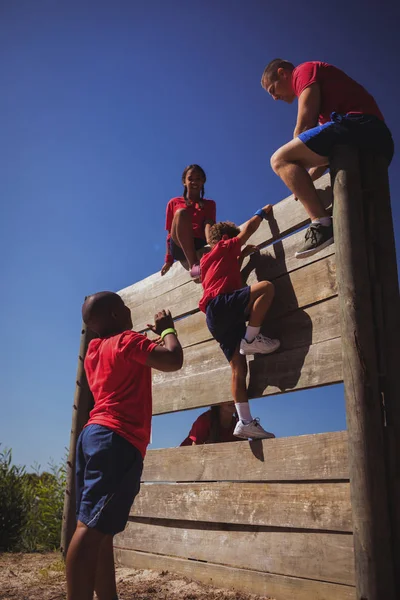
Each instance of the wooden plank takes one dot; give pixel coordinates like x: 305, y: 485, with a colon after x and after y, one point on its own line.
x: 299, y: 505
x: 179, y: 294
x: 364, y: 402
x: 289, y: 214
x: 321, y: 456
x: 302, y: 327
x: 279, y: 258
x: 253, y: 582
x: 82, y: 405
x: 386, y: 299
x: 272, y: 262
x: 321, y: 556
x: 206, y: 375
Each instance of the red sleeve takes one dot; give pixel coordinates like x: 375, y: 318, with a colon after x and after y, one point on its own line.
x: 169, y: 215
x: 200, y: 429
x: 234, y: 245
x: 135, y: 347
x: 303, y: 76
x: 211, y: 211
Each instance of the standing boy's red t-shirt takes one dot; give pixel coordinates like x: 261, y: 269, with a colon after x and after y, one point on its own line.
x: 339, y: 92
x: 220, y: 270
x: 120, y: 383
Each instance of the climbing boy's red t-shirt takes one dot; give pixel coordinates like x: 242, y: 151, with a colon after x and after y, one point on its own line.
x: 339, y: 92
x: 220, y: 270
x: 201, y: 429
x: 121, y: 386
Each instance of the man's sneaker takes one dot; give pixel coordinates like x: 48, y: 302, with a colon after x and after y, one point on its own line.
x: 195, y: 272
x: 317, y: 237
x: 252, y: 430
x: 260, y: 345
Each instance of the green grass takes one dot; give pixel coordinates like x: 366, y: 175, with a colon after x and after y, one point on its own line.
x: 32, y: 505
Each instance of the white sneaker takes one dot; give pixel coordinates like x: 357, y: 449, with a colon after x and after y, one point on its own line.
x: 252, y: 430
x: 260, y: 345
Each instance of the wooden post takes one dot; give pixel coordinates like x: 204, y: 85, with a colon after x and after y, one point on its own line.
x: 83, y: 402
x: 364, y: 408
x: 385, y: 283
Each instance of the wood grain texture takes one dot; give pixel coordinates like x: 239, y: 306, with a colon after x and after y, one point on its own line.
x: 321, y: 556
x: 302, y: 327
x: 206, y: 374
x: 254, y: 582
x: 321, y: 456
x: 299, y: 505
x: 363, y: 392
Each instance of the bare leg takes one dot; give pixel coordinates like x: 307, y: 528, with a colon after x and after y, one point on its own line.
x: 105, y: 585
x: 81, y: 563
x: 261, y: 296
x: 247, y: 427
x: 182, y: 235
x: 239, y: 373
x: 291, y: 163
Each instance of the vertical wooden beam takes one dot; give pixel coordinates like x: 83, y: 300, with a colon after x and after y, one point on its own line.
x: 83, y: 403
x: 364, y: 407
x: 386, y: 300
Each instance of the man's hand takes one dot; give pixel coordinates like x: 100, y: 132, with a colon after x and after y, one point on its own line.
x: 165, y: 268
x: 162, y: 320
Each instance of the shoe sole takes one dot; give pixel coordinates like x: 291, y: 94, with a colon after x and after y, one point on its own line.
x: 247, y: 437
x: 243, y: 353
x: 314, y: 250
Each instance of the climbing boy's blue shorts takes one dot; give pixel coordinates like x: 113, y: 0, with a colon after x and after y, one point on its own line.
x: 108, y: 471
x: 366, y: 132
x: 226, y: 319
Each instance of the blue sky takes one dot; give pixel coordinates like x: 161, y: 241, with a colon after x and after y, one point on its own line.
x: 102, y: 106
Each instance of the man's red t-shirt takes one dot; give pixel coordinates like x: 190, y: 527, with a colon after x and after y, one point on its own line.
x: 201, y: 429
x: 121, y: 386
x: 220, y: 270
x: 339, y: 92
x: 199, y: 216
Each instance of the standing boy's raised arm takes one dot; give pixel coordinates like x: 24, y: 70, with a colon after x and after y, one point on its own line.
x: 170, y: 356
x: 253, y: 224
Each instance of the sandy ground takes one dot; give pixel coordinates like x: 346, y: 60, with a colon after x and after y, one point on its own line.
x: 41, y: 577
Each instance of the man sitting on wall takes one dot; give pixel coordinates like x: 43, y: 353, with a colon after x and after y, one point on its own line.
x: 332, y: 109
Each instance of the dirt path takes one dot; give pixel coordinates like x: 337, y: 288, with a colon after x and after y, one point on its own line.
x: 41, y: 577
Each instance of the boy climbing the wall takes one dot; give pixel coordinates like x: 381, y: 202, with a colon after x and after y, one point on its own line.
x: 228, y: 305
x: 111, y: 447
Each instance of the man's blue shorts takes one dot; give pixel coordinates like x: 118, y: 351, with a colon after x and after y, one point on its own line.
x: 366, y: 132
x: 226, y: 319
x: 108, y: 471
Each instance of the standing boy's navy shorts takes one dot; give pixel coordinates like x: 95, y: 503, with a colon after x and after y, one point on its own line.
x: 177, y: 252
x: 366, y: 132
x: 108, y: 471
x: 226, y: 319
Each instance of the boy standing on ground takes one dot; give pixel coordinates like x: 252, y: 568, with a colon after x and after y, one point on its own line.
x: 111, y: 447
x: 228, y: 305
x: 332, y: 109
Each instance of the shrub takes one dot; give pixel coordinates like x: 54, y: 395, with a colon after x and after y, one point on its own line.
x: 31, y: 506
x: 14, y: 504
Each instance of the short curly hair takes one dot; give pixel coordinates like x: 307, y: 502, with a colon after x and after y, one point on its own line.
x: 218, y: 230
